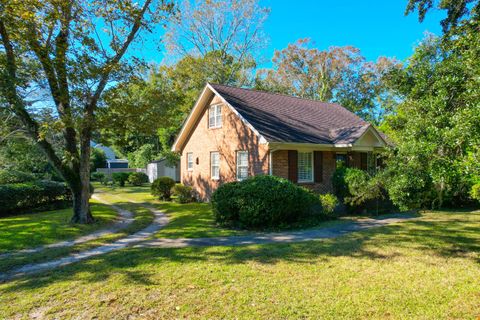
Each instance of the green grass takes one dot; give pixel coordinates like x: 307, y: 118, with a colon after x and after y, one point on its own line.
x: 36, y: 229
x: 142, y: 218
x: 428, y: 268
x: 194, y: 220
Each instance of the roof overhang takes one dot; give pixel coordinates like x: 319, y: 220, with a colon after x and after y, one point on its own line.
x: 189, y: 124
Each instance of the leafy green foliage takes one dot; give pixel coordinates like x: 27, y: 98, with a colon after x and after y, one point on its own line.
x: 161, y: 187
x: 13, y: 176
x: 98, y: 159
x: 18, y: 197
x: 137, y: 178
x: 436, y: 127
x: 456, y: 10
x: 97, y: 176
x: 329, y: 203
x: 182, y: 193
x: 120, y: 178
x: 21, y: 154
x: 263, y: 202
x: 475, y: 192
x: 142, y: 156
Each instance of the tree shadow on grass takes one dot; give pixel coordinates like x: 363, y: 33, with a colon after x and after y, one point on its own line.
x: 451, y: 236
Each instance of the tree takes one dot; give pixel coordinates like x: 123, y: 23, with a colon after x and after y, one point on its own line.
x: 456, y: 10
x: 98, y: 159
x: 133, y: 111
x: 436, y: 127
x: 225, y: 35
x: 76, y: 50
x: 339, y: 74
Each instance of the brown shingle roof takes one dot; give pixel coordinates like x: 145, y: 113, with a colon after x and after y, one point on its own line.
x: 281, y: 118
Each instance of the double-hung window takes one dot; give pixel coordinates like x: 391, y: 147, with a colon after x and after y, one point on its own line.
x: 305, y: 167
x: 215, y: 165
x: 189, y: 161
x: 215, y: 116
x: 242, y: 165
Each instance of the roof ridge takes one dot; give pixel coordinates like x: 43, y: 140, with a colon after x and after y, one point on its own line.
x: 290, y: 96
x: 275, y: 93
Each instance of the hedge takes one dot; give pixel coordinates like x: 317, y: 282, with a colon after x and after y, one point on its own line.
x: 263, y: 202
x: 19, y: 197
x: 13, y: 176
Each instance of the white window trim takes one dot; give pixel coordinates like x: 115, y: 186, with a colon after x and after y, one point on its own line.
x: 211, y: 165
x: 313, y: 167
x: 188, y: 161
x: 238, y: 164
x: 216, y: 108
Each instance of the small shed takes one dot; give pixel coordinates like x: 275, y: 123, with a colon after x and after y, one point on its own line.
x: 159, y: 168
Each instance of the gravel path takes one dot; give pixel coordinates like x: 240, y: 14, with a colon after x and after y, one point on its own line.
x: 277, y: 237
x: 124, y: 219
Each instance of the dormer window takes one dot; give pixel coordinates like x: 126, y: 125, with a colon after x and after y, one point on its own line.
x: 215, y: 116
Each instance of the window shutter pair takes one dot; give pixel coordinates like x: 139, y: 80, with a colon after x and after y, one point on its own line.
x: 293, y: 165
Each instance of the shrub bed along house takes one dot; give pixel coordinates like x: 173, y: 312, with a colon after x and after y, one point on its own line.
x: 263, y: 202
x: 361, y: 192
x: 20, y: 197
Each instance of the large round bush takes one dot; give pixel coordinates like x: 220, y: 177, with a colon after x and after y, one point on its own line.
x: 120, y: 178
x: 137, y: 178
x: 263, y: 202
x: 162, y: 187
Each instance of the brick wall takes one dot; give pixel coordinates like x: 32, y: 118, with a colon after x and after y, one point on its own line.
x: 280, y: 169
x: 233, y: 136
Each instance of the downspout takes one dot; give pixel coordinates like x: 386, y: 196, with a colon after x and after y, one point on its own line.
x: 270, y: 169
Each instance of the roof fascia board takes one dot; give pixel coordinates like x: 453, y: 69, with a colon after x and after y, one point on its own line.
x: 188, y: 121
x: 262, y: 139
x: 375, y: 133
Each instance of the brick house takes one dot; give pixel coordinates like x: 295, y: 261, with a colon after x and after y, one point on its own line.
x: 233, y: 133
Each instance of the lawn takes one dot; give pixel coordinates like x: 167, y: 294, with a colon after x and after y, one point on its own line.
x: 36, y: 229
x: 427, y: 268
x: 191, y: 220
x: 142, y: 218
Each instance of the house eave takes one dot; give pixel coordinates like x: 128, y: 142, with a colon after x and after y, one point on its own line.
x: 274, y: 146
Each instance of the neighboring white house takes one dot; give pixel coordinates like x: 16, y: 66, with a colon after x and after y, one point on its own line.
x: 159, y: 168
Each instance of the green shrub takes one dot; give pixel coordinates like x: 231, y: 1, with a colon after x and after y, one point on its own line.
x: 225, y: 207
x: 137, y: 178
x: 97, y: 176
x: 182, y: 193
x: 14, y: 176
x: 263, y: 202
x: 120, y: 178
x: 475, y: 192
x: 162, y: 187
x: 329, y: 203
x: 19, y: 197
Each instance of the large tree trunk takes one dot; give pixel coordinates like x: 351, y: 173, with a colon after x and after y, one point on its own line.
x: 81, y: 206
x: 81, y: 195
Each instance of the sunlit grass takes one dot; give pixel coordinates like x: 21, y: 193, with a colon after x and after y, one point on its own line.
x: 428, y: 268
x: 36, y: 229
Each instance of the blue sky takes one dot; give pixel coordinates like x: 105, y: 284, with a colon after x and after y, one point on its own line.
x: 376, y: 27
